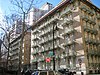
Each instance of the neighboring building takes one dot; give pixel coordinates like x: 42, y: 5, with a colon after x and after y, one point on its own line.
x: 15, y: 52
x: 16, y: 29
x: 76, y: 42
x: 15, y: 40
x: 46, y: 7
x: 35, y: 13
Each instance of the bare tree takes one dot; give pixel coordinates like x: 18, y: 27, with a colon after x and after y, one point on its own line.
x: 7, y: 34
x: 23, y: 6
x: 7, y: 22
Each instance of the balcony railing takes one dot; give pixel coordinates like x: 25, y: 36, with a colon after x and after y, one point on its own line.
x: 94, y: 52
x: 54, y: 19
x: 61, y: 46
x: 90, y: 12
x: 71, y: 42
x: 92, y: 41
x: 85, y: 18
x: 41, y: 59
x: 34, y: 60
x: 34, y: 46
x: 64, y: 22
x: 36, y: 38
x: 84, y: 8
x: 91, y: 52
x: 35, y: 52
x: 59, y: 26
x: 88, y: 40
x: 69, y: 31
x: 93, y: 21
x: 14, y: 53
x: 36, y: 31
x: 58, y: 37
x: 87, y: 28
x: 15, y: 58
x: 94, y: 31
x: 98, y: 16
x: 65, y: 12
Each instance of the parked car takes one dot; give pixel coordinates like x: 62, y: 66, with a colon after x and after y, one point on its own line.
x: 66, y: 72
x: 46, y: 72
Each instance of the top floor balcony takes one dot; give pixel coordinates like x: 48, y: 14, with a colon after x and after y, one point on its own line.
x: 65, y: 12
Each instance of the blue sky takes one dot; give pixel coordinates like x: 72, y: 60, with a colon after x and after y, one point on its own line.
x: 5, y: 5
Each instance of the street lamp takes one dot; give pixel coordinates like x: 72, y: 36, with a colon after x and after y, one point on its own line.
x: 53, y: 51
x: 54, y: 27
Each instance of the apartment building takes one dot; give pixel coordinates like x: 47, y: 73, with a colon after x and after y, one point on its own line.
x: 15, y: 52
x: 16, y: 29
x: 70, y: 35
x: 35, y: 13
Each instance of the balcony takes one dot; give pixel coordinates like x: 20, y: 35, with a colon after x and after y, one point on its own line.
x: 42, y: 34
x: 91, y: 12
x: 41, y: 59
x: 98, y: 16
x: 86, y: 28
x: 58, y: 36
x: 36, y: 38
x: 47, y: 32
x: 94, y: 31
x: 35, y: 46
x: 15, y: 58
x: 85, y: 18
x: 91, y: 52
x: 34, y: 60
x: 53, y: 20
x: 41, y: 42
x: 93, y: 21
x: 46, y: 24
x: 14, y: 53
x: 84, y: 8
x: 61, y: 46
x: 65, y: 22
x: 66, y: 12
x: 72, y: 54
x: 88, y: 40
x: 36, y: 31
x: 35, y: 52
x: 45, y: 41
x: 71, y: 42
x: 94, y: 41
x: 59, y: 26
x: 69, y: 31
